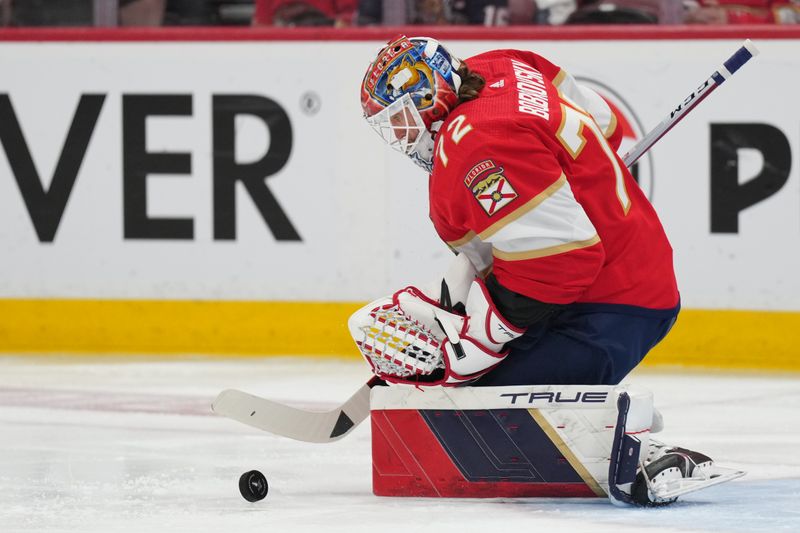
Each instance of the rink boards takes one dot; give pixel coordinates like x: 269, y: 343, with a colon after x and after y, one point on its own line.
x: 219, y: 193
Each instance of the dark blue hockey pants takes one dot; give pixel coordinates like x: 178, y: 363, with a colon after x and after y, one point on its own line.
x: 585, y: 344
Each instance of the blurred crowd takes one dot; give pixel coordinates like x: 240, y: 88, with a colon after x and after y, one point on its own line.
x: 344, y: 13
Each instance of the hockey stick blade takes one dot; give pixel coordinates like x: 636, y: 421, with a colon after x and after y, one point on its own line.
x: 293, y: 422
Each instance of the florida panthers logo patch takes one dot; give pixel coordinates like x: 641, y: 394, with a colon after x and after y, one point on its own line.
x: 490, y: 186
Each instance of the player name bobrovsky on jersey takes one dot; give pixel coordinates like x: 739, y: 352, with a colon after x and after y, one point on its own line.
x: 531, y: 90
x: 514, y: 397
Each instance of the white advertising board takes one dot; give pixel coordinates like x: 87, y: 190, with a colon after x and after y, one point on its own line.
x: 243, y: 170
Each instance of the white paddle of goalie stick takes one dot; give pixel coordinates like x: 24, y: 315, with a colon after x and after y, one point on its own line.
x: 332, y: 425
x: 293, y: 422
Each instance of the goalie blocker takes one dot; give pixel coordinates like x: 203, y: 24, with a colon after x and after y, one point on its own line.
x: 529, y: 441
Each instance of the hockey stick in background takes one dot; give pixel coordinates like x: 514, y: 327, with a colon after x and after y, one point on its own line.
x: 744, y: 54
x: 332, y: 425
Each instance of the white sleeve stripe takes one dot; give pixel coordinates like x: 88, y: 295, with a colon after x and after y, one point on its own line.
x: 552, y: 222
x: 558, y: 220
x: 545, y: 252
x: 524, y: 208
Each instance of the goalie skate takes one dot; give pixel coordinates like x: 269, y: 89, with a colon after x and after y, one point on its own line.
x: 669, y: 472
x: 665, y: 473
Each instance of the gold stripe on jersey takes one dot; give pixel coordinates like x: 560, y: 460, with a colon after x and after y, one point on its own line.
x: 612, y: 126
x: 545, y: 252
x: 463, y: 240
x: 559, y: 79
x: 523, y: 209
x: 579, y: 133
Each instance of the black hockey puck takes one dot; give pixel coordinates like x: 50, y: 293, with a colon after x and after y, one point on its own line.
x: 253, y: 486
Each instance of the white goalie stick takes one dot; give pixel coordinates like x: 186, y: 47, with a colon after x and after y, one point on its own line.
x: 332, y: 425
x: 294, y: 422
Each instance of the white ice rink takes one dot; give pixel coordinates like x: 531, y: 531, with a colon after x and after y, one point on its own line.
x: 131, y: 446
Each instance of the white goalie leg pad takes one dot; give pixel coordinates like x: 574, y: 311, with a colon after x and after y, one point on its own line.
x: 658, y: 421
x: 576, y: 420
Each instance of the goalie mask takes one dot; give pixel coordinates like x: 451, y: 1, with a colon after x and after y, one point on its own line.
x: 407, y: 93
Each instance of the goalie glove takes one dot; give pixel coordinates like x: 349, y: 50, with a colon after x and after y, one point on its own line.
x: 411, y: 339
x: 450, y: 290
x: 480, y: 344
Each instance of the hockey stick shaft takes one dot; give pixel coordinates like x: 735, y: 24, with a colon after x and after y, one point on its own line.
x: 744, y: 54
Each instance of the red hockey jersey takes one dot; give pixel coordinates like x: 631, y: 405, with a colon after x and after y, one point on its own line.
x: 526, y: 180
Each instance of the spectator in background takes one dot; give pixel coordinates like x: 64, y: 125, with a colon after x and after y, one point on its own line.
x: 300, y: 14
x: 336, y: 13
x: 743, y: 12
x: 52, y: 12
x: 555, y: 12
x: 189, y: 13
x: 82, y: 12
x: 431, y: 12
x: 5, y: 12
x: 686, y: 12
x: 628, y: 12
x: 496, y: 12
x: 403, y: 12
x: 369, y: 13
x: 439, y: 12
x: 141, y: 12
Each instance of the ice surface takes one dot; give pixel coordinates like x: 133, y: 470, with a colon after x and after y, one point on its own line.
x: 91, y: 445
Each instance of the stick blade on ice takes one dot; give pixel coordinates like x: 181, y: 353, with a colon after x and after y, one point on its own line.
x: 293, y: 422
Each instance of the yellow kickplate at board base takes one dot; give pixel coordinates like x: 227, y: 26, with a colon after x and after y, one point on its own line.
x: 724, y: 339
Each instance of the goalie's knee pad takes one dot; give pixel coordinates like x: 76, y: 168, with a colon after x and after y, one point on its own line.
x: 658, y: 421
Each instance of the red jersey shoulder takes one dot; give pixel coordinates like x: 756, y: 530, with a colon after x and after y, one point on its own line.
x: 523, y: 78
x: 469, y: 177
x: 487, y: 166
x: 496, y: 152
